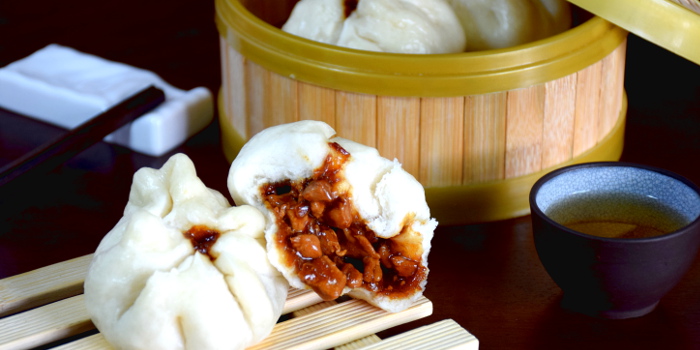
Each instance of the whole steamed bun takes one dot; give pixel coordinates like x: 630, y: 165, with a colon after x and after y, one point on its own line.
x: 397, y: 26
x: 182, y: 269
x: 315, y: 187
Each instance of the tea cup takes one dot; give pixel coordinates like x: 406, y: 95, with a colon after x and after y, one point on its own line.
x: 613, y: 274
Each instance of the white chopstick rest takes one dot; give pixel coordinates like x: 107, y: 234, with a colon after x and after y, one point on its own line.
x: 65, y: 87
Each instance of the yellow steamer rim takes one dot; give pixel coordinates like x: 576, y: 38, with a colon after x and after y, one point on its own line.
x: 478, y: 74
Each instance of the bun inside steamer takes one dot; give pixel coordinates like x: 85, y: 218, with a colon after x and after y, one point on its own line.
x: 341, y: 219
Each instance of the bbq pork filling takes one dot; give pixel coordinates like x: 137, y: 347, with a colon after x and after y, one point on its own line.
x: 327, y: 242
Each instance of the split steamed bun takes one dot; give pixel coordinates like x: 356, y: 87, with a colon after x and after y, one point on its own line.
x: 182, y: 269
x: 340, y: 218
x: 398, y: 26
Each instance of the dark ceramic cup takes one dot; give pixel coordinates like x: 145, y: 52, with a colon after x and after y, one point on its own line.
x: 607, y: 277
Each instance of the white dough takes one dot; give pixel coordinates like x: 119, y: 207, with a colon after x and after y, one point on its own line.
x: 320, y: 20
x: 147, y: 288
x: 397, y: 26
x: 493, y: 24
x: 387, y: 197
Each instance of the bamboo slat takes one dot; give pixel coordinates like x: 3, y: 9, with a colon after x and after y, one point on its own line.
x: 441, y: 141
x: 298, y: 299
x: 282, y: 101
x: 613, y: 79
x: 320, y: 329
x: 360, y: 343
x: 234, y: 89
x: 45, y: 324
x: 356, y: 117
x: 398, y: 123
x: 313, y: 308
x: 315, y: 324
x: 484, y: 137
x: 355, y: 344
x: 65, y: 279
x: 43, y: 286
x: 587, y: 108
x: 442, y: 335
x: 339, y: 324
x: 93, y: 342
x: 559, y: 112
x: 227, y: 55
x: 524, y: 127
x: 257, y: 82
x: 316, y: 103
x: 69, y: 317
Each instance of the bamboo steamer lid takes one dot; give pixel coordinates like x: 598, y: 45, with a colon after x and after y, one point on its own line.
x: 671, y: 24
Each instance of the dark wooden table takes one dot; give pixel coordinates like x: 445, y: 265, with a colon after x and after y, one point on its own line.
x: 487, y: 276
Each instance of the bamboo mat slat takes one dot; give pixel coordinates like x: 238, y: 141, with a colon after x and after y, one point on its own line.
x: 45, y: 324
x: 59, y: 312
x: 43, y: 286
x: 441, y: 335
x: 69, y: 317
x: 93, y: 342
x: 360, y: 343
x: 338, y: 324
x: 320, y: 329
x: 298, y: 299
x: 444, y: 335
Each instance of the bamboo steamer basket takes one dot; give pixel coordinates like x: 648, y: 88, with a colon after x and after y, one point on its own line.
x: 477, y: 129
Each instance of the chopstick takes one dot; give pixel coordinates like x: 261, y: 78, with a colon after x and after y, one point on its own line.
x: 52, y: 154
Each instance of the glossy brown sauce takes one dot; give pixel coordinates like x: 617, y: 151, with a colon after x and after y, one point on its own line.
x: 202, y: 239
x: 328, y: 243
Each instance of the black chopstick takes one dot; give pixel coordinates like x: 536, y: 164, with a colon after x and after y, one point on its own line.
x: 52, y: 154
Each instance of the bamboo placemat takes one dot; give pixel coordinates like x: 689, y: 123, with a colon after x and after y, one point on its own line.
x: 46, y: 306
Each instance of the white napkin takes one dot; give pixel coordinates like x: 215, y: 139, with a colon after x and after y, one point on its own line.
x: 65, y: 87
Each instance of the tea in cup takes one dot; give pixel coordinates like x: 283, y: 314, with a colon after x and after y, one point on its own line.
x: 615, y: 236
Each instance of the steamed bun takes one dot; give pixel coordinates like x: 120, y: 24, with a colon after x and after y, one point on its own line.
x: 398, y: 26
x: 340, y: 218
x: 495, y: 24
x: 182, y: 269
